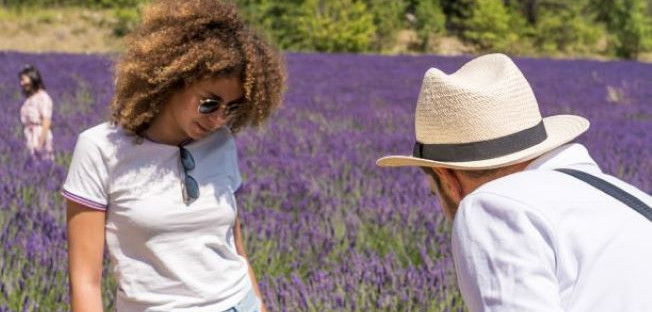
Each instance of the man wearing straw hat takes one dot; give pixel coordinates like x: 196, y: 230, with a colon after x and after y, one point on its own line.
x: 536, y: 225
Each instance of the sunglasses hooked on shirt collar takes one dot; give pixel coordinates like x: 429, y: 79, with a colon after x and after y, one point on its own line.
x: 190, y: 188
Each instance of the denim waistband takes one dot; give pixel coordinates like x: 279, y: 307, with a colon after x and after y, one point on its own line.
x: 250, y: 303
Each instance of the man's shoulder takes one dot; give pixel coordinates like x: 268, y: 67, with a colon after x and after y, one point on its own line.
x: 515, y: 201
x: 521, y: 182
x: 550, y: 192
x: 529, y: 191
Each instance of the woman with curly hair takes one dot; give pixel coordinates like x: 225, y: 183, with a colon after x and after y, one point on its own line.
x: 36, y: 114
x: 157, y: 182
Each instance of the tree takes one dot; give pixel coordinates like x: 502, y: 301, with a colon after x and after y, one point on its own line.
x: 276, y: 19
x: 388, y: 17
x: 430, y: 19
x: 565, y: 26
x: 456, y: 12
x: 334, y: 26
x: 630, y: 26
x: 489, y: 26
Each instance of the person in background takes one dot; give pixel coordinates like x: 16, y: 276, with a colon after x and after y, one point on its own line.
x: 157, y: 182
x: 537, y: 226
x: 36, y: 114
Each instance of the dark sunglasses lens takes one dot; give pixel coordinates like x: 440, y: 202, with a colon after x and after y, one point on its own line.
x: 208, y: 106
x: 187, y: 161
x: 192, y: 189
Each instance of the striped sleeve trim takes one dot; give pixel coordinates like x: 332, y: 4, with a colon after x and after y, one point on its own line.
x: 86, y: 202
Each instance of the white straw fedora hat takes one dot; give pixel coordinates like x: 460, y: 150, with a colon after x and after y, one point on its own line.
x: 483, y: 116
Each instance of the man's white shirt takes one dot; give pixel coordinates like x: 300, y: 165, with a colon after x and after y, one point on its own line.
x: 540, y: 240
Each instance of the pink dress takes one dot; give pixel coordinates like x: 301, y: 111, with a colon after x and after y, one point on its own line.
x: 36, y: 108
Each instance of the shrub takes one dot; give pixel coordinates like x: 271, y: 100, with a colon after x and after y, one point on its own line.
x: 274, y: 19
x: 125, y: 21
x: 565, y: 27
x: 334, y: 26
x: 388, y: 16
x: 490, y: 26
x: 430, y: 19
x: 82, y: 3
x: 631, y: 29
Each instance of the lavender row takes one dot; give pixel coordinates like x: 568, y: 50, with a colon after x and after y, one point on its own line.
x: 325, y: 228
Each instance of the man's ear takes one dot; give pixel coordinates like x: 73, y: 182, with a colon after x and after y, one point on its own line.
x: 451, y: 182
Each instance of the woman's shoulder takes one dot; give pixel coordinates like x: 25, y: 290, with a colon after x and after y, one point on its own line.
x: 41, y: 96
x: 105, y: 141
x: 104, y: 133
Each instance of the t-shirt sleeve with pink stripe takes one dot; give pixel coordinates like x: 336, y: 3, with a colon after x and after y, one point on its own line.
x: 87, y: 178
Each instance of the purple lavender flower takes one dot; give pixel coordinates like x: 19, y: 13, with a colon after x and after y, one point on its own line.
x: 325, y: 229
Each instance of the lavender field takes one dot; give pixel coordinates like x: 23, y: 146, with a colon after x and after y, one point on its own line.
x: 326, y: 230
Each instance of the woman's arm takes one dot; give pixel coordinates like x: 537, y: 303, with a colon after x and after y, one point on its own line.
x: 45, y: 129
x: 85, y: 255
x: 44, y: 104
x: 239, y: 247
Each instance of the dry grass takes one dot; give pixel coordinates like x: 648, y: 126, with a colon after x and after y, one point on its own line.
x: 74, y: 30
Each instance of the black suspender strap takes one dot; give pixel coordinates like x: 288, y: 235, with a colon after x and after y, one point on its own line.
x: 612, y: 190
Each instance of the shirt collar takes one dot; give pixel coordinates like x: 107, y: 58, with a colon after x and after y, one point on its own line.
x: 570, y: 155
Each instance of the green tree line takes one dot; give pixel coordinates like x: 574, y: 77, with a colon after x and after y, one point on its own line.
x: 619, y: 28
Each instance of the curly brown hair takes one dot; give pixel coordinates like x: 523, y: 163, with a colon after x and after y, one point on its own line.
x: 182, y: 42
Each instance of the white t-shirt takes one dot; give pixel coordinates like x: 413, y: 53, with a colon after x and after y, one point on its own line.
x: 166, y: 255
x: 541, y: 240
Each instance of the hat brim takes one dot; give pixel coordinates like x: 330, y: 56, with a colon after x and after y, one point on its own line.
x: 561, y: 129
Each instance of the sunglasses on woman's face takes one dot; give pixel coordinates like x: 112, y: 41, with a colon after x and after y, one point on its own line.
x: 209, y: 106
